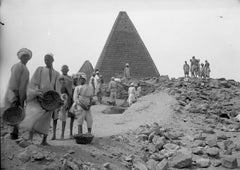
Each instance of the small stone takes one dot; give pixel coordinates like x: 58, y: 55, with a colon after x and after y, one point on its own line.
x: 203, y: 163
x: 199, y: 137
x: 199, y: 143
x: 157, y: 157
x: 24, y: 156
x: 142, y: 137
x: 213, y: 152
x: 72, y: 165
x: 229, y: 162
x: 197, y: 151
x: 208, y: 131
x: 24, y: 144
x: 151, y: 164
x: 10, y: 156
x: 182, y: 160
x: 171, y: 146
x: 212, y: 142
x: 139, y: 165
x: 106, y: 165
x: 129, y: 158
x: 221, y: 145
x: 163, y: 165
x: 158, y: 142
x: 222, y: 137
x: 151, y: 147
x: 216, y: 163
x: 175, y: 135
x: 71, y: 151
x: 38, y: 156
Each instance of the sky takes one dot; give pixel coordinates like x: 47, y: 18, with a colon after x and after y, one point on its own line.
x: 74, y: 31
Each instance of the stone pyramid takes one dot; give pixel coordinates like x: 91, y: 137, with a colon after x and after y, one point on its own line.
x: 87, y: 68
x: 124, y: 45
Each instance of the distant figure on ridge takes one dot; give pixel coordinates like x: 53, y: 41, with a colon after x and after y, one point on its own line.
x: 186, y: 69
x: 17, y: 85
x: 207, y: 69
x: 202, y: 69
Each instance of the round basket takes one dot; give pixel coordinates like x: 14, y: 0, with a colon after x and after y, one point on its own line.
x: 51, y: 100
x: 13, y: 115
x: 83, y: 138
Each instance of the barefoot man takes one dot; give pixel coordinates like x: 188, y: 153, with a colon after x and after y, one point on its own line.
x: 82, y: 102
x: 17, y: 85
x: 37, y: 119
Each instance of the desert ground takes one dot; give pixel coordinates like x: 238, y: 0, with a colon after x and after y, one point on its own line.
x: 181, y: 124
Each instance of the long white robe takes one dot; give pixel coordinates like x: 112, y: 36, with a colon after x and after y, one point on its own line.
x: 38, y: 119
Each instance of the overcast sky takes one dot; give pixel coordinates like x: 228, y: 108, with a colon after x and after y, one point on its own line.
x: 74, y: 31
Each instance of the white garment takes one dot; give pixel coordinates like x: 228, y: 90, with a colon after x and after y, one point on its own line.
x: 131, y: 95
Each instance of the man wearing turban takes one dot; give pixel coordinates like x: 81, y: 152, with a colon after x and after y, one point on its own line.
x: 17, y: 85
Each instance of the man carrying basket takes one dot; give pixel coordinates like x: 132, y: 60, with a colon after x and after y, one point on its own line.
x: 82, y: 102
x: 17, y: 85
x: 38, y: 118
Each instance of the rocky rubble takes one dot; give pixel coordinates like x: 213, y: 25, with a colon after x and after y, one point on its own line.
x: 213, y: 96
x: 32, y: 153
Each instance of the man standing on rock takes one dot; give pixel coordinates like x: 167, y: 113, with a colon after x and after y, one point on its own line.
x: 207, y: 69
x: 17, y: 85
x: 38, y: 119
x: 186, y: 69
x: 127, y: 73
x: 194, y: 66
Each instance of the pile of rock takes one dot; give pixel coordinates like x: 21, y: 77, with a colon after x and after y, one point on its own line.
x: 163, y: 148
x: 214, y: 96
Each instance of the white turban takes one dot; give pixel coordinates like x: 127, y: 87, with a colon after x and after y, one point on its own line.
x: 24, y: 51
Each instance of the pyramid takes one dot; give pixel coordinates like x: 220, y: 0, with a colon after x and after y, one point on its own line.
x: 124, y: 45
x: 87, y: 68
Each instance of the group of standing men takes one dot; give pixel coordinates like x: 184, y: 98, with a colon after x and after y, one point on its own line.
x: 76, y: 93
x: 196, y: 69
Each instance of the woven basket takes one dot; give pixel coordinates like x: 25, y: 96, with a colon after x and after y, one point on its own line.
x: 13, y: 115
x: 51, y: 100
x: 83, y: 138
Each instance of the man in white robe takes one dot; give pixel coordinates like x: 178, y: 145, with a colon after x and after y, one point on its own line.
x: 37, y: 119
x: 17, y: 85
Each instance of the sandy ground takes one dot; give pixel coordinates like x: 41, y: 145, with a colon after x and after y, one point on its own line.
x: 147, y: 110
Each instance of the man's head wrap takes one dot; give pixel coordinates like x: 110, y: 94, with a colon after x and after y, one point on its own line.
x: 24, y: 51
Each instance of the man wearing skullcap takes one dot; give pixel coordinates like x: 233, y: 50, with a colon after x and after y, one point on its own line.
x: 37, y: 119
x: 66, y: 88
x: 82, y: 97
x: 131, y: 94
x: 17, y: 85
